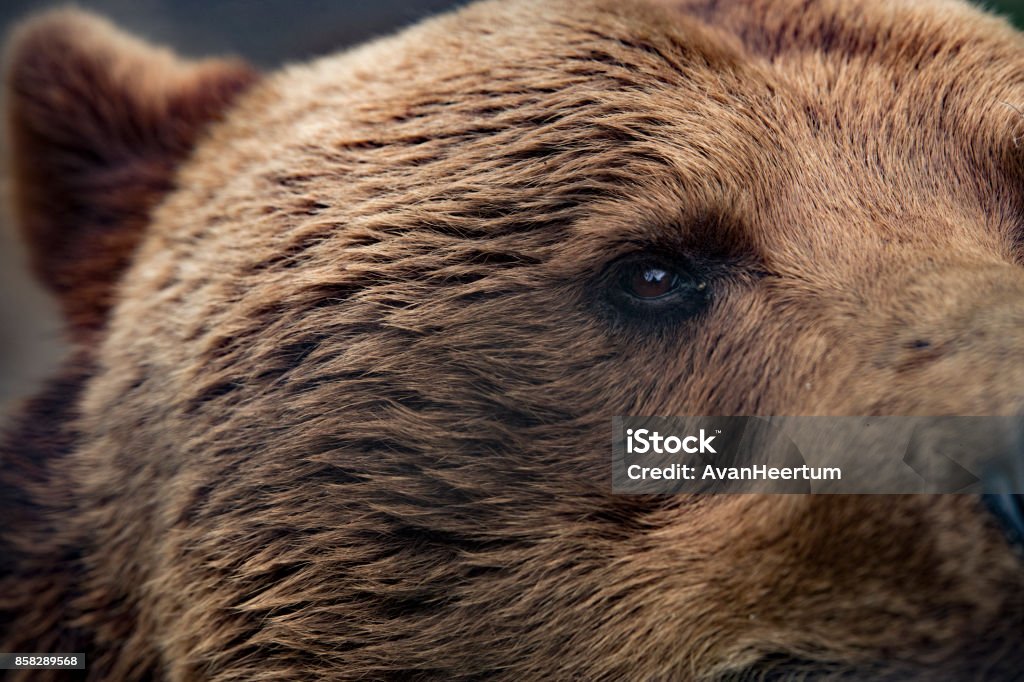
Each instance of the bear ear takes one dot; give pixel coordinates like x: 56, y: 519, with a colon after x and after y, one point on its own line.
x: 98, y: 122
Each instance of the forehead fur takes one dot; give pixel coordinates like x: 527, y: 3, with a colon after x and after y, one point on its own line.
x: 499, y: 118
x: 420, y: 183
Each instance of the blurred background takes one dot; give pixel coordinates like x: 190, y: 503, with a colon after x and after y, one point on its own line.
x: 266, y: 32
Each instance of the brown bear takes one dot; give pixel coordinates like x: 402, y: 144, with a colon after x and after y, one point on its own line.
x: 349, y: 338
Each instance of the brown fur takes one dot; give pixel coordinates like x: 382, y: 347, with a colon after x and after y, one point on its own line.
x: 349, y: 416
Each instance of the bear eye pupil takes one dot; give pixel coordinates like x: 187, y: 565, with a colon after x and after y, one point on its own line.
x: 647, y: 281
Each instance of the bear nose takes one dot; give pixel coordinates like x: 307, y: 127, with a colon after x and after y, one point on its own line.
x: 1003, y: 485
x: 1009, y: 509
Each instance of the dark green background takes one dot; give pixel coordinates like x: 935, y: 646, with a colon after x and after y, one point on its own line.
x: 1011, y: 8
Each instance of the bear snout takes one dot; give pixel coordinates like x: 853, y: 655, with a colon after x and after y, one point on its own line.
x: 1004, y: 482
x: 959, y: 331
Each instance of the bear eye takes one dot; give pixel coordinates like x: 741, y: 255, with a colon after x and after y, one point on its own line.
x: 645, y: 284
x: 649, y: 281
